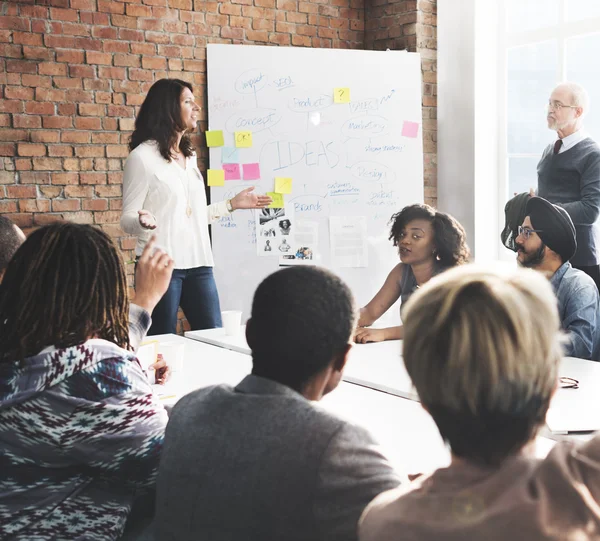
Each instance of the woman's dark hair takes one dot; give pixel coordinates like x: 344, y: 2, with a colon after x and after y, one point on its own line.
x: 65, y: 284
x: 159, y: 118
x: 449, y: 236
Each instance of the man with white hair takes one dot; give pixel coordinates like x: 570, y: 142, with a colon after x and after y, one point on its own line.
x: 569, y: 173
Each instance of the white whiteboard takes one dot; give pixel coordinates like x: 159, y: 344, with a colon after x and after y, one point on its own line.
x: 355, y: 162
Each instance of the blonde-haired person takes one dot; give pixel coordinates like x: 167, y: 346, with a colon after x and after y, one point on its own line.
x: 483, y: 350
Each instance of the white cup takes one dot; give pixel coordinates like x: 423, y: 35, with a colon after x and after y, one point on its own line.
x: 146, y: 355
x: 173, y: 353
x: 232, y: 320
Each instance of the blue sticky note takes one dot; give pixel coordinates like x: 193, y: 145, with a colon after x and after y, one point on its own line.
x: 230, y: 155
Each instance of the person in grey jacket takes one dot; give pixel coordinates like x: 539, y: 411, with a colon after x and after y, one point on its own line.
x: 262, y: 461
x: 569, y: 173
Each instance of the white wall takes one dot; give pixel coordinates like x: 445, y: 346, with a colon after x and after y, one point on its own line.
x: 468, y: 120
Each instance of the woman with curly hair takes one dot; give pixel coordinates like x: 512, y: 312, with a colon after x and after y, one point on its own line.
x: 163, y: 189
x: 429, y: 242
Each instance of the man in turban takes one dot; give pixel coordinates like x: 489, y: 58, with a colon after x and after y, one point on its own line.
x: 546, y: 242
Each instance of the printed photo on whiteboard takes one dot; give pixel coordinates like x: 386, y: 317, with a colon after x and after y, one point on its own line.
x: 348, y: 241
x: 275, y: 230
x: 304, y: 251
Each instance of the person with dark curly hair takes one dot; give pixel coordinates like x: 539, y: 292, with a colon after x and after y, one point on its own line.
x: 163, y: 190
x: 428, y: 242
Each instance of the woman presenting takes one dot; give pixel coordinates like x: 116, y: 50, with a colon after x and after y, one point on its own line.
x: 163, y: 190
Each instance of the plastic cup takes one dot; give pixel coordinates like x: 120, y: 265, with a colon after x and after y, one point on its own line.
x: 173, y: 353
x: 232, y: 321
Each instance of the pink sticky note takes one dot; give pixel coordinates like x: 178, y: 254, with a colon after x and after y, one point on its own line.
x: 410, y: 129
x: 251, y: 171
x: 232, y: 171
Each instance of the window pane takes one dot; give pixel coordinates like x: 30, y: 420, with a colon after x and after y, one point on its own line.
x: 522, y: 175
x: 580, y: 69
x: 578, y: 10
x: 531, y: 76
x: 524, y: 15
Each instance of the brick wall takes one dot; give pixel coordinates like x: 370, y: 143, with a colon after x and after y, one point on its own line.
x: 73, y: 72
x: 412, y: 25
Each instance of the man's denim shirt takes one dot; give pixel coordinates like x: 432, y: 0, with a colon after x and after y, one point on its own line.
x: 579, y: 311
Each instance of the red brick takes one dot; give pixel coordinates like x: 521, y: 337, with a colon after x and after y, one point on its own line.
x: 82, y: 71
x: 92, y: 178
x: 109, y: 191
x: 110, y: 124
x: 194, y: 65
x: 62, y: 205
x: 64, y: 151
x: 93, y: 57
x: 154, y: 63
x: 64, y: 14
x: 138, y: 11
x: 104, y: 32
x: 110, y: 6
x: 68, y: 82
x: 86, y: 192
x: 75, y: 95
x: 136, y: 74
x: 259, y: 35
x: 124, y: 21
x: 61, y: 42
x: 21, y: 192
x: 67, y: 109
x: 27, y: 38
x: 45, y: 136
x: 72, y: 57
x: 91, y: 109
x: 7, y: 149
x: 11, y: 106
x: 34, y: 12
x: 88, y: 44
x: 90, y: 123
x: 46, y: 219
x: 117, y: 151
x: 18, y: 93
x: 15, y: 23
x: 103, y: 97
x: 8, y: 206
x: 96, y: 84
x: 47, y: 164
x: 75, y: 137
x: 90, y: 152
x: 183, y: 39
x: 115, y: 178
x: 112, y: 73
x: 7, y: 177
x: 4, y: 120
x: 87, y: 5
x: 126, y: 124
x: 52, y: 68
x: 127, y: 60
x: 23, y: 164
x: 131, y: 35
x: 65, y: 178
x: 57, y: 122
x: 36, y: 81
x: 39, y: 108
x: 21, y: 66
x: 26, y: 149
x: 280, y: 39
x: 51, y: 191
x: 34, y: 177
x: 34, y: 205
x: 27, y: 121
x: 95, y: 204
x: 108, y: 217
x: 73, y: 29
x: 49, y: 94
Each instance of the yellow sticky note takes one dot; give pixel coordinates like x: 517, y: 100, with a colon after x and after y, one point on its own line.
x: 277, y: 200
x: 283, y: 185
x: 216, y: 177
x: 341, y: 95
x: 214, y: 138
x: 243, y: 139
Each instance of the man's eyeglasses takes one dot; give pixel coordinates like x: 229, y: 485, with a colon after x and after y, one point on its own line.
x: 557, y: 106
x: 526, y: 231
x: 568, y: 383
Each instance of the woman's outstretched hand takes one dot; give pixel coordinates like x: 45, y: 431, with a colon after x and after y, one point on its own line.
x: 246, y: 199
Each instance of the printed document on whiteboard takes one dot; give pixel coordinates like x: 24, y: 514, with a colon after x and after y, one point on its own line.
x: 348, y: 241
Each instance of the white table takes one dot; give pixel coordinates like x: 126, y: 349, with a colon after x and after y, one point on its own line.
x: 379, y: 366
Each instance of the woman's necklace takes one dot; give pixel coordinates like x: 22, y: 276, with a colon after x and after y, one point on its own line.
x: 188, y: 208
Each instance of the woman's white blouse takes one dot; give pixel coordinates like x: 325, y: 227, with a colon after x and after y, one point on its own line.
x: 164, y: 189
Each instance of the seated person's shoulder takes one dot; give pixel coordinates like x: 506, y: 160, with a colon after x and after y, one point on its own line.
x: 580, y: 281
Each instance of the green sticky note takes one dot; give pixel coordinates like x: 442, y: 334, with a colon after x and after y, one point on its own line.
x: 277, y: 200
x: 341, y: 95
x: 216, y: 177
x: 243, y: 139
x: 283, y: 185
x: 214, y: 138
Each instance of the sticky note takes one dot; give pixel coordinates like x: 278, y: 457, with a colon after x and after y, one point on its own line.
x: 230, y: 155
x: 214, y: 138
x: 410, y: 129
x: 216, y: 177
x: 277, y: 200
x: 232, y: 171
x: 243, y: 139
x: 341, y: 95
x: 251, y: 171
x: 283, y: 185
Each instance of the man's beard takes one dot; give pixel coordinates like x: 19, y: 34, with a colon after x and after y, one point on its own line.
x: 555, y: 125
x: 535, y: 259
